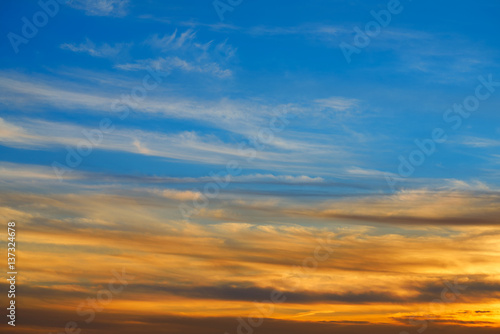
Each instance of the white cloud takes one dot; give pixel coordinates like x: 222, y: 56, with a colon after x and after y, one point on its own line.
x: 183, y: 146
x: 337, y: 103
x: 480, y: 142
x: 309, y: 30
x: 294, y: 150
x: 102, y: 51
x: 186, y: 145
x: 169, y: 64
x: 32, y: 93
x: 363, y: 172
x: 172, y: 41
x: 454, y: 184
x: 279, y: 178
x: 185, y: 53
x: 101, y: 7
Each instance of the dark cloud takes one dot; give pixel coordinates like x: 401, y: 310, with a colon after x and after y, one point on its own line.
x: 424, y: 293
x: 409, y: 220
x: 253, y: 293
x: 48, y: 320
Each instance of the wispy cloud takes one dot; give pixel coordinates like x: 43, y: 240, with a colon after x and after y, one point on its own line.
x: 310, y: 30
x: 34, y: 92
x: 169, y: 64
x: 480, y: 142
x: 102, y: 51
x: 337, y: 103
x: 279, y: 178
x: 102, y: 7
x: 180, y: 195
x: 174, y: 41
x: 22, y: 173
x: 183, y: 52
x: 365, y: 172
x: 185, y: 145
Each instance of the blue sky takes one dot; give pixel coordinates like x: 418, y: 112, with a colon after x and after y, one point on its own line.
x: 223, y: 79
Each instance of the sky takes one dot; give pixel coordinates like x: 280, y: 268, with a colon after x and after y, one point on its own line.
x: 237, y: 166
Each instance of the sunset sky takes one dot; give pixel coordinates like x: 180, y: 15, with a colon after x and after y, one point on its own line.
x: 240, y: 167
